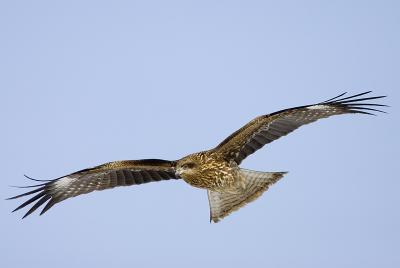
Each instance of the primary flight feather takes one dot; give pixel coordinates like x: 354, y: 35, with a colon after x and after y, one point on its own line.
x: 229, y: 187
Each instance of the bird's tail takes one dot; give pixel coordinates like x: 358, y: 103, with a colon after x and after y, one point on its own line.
x: 255, y: 184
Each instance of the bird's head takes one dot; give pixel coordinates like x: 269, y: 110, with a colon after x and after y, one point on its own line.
x: 188, y: 166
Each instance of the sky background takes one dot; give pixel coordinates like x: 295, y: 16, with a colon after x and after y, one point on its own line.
x: 87, y: 82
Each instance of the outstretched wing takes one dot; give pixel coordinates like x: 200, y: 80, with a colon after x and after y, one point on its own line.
x: 106, y: 176
x: 267, y: 128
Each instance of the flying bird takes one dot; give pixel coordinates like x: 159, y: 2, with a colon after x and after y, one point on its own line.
x: 217, y: 170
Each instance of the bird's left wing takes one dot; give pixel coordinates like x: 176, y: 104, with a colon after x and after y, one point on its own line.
x: 106, y: 176
x: 267, y: 128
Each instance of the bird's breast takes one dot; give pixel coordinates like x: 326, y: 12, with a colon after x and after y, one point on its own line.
x: 217, y: 179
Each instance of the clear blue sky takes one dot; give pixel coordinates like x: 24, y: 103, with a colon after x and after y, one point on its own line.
x: 87, y: 82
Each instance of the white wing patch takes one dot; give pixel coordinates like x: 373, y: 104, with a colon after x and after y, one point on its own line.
x: 318, y: 107
x: 63, y: 182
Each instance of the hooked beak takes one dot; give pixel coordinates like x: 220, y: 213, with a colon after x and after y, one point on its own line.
x: 178, y: 172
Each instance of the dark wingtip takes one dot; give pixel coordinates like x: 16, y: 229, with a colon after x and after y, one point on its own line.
x: 28, y: 186
x: 40, y: 192
x: 31, y: 200
x: 50, y: 204
x: 357, y: 108
x: 26, y: 215
x: 27, y: 193
x: 30, y: 178
x: 37, y: 197
x: 338, y: 96
x: 41, y: 201
x: 353, y: 104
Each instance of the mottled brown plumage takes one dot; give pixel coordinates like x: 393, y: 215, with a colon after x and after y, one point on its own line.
x: 209, y: 170
x: 217, y: 170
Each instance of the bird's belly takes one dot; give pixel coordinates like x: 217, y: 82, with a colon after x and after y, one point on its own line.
x: 200, y: 183
x: 215, y: 183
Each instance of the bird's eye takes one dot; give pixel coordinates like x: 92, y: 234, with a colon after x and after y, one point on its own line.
x: 189, y: 165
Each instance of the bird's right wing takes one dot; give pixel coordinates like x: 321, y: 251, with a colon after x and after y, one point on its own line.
x: 106, y: 176
x: 267, y: 128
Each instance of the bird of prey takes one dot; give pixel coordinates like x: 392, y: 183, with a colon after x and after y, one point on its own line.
x: 217, y: 170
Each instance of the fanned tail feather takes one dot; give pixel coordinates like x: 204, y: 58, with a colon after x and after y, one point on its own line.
x: 255, y: 184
